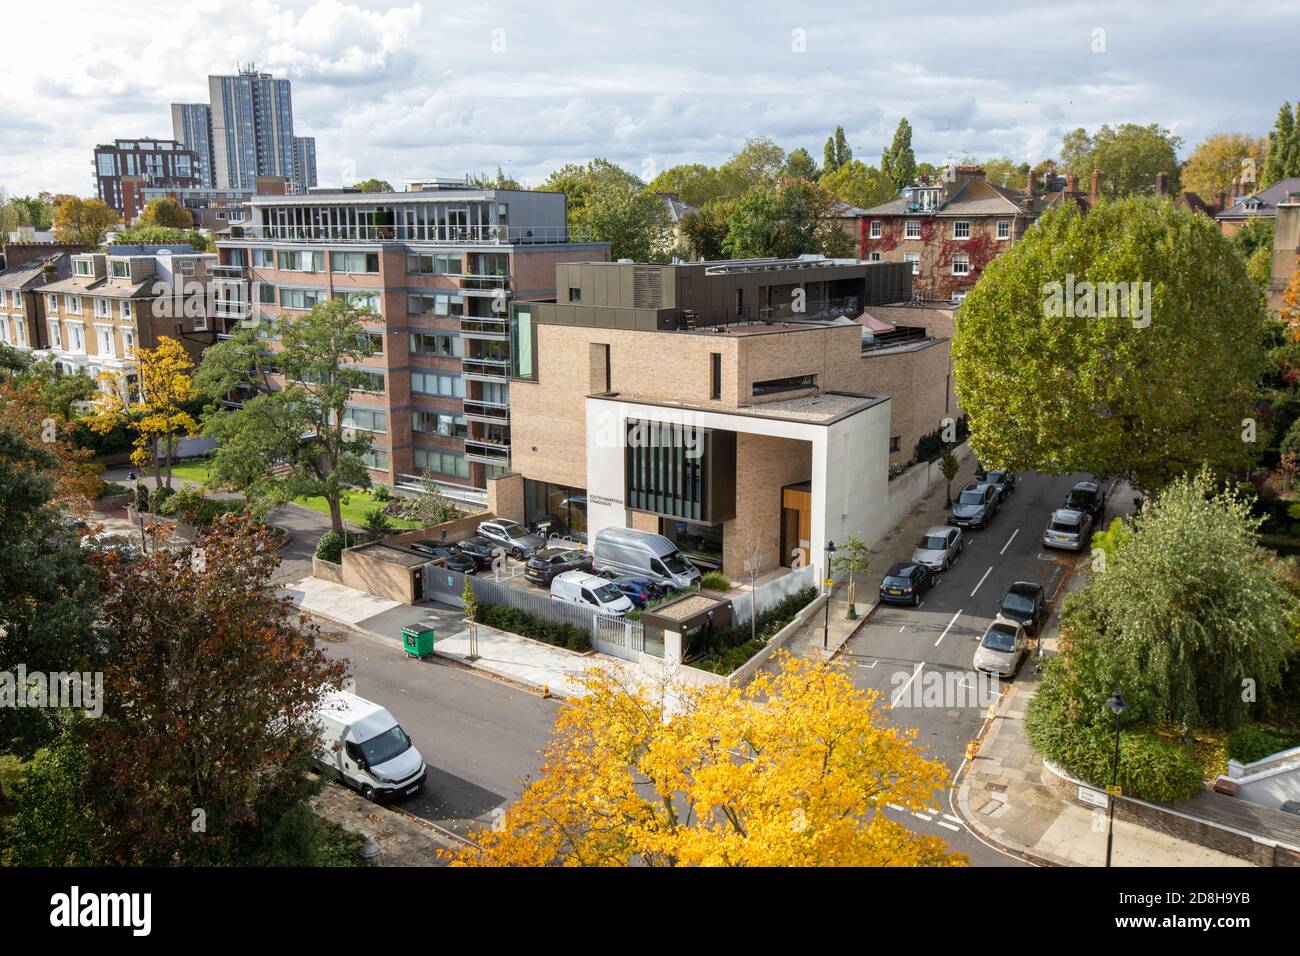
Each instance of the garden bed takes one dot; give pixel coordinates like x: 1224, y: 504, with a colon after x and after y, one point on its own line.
x: 731, y: 648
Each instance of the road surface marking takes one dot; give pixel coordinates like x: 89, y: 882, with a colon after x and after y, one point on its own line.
x: 949, y: 826
x: 898, y: 694
x: 1009, y: 540
x: 902, y: 629
x: 894, y: 806
x: 949, y: 627
x: 949, y: 816
x: 923, y: 816
x: 977, y: 587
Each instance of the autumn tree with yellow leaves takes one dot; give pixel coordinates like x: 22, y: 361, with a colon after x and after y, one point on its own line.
x: 791, y: 770
x: 157, y: 412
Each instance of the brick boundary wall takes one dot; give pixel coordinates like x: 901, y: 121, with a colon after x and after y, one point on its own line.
x: 1174, y: 823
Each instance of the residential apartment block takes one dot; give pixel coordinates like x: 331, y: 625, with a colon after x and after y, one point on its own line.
x: 304, y: 163
x: 438, y: 270
x: 252, y: 128
x: 749, y: 410
x: 123, y: 169
x: 192, y: 126
x: 22, y: 307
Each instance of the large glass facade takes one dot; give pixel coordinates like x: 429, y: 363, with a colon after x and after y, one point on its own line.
x: 564, y: 507
x: 702, y: 543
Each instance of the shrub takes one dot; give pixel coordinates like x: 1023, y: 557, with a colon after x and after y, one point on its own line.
x: 191, y: 506
x: 381, y: 493
x: 1252, y: 742
x: 377, y: 523
x: 110, y: 489
x: 160, y: 496
x: 729, y: 648
x: 330, y: 547
x: 520, y: 622
x: 715, y: 581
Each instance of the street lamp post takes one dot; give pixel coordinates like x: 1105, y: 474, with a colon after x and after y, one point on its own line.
x: 826, y: 625
x: 1116, y: 705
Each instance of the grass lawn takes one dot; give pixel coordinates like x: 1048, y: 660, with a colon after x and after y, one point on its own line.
x: 354, y: 509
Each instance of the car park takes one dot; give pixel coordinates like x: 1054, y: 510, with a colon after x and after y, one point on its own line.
x: 590, y: 590
x: 452, y: 559
x: 1068, y: 530
x: 545, y: 565
x: 906, y: 583
x: 1088, y: 496
x: 939, y: 547
x: 640, y: 591
x: 481, y: 550
x: 1025, y: 603
x: 1001, y: 649
x: 518, y: 541
x: 975, y: 506
x: 1003, y: 480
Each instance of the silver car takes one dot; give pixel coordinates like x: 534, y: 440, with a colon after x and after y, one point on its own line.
x: 517, y: 541
x: 1001, y: 649
x: 939, y: 547
x: 1069, y: 529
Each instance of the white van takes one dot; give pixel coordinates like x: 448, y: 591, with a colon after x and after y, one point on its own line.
x: 621, y: 551
x: 362, y: 745
x: 589, y: 590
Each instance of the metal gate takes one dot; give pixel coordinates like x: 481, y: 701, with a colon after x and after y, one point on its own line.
x: 617, y: 637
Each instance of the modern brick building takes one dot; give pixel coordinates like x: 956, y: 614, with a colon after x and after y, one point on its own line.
x: 438, y: 269
x: 745, y: 409
x: 125, y: 168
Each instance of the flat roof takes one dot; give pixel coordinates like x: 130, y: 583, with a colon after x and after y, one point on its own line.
x: 390, y: 553
x: 821, y: 408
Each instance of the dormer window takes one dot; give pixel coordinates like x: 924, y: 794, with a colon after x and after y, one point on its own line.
x: 83, y: 267
x: 120, y: 269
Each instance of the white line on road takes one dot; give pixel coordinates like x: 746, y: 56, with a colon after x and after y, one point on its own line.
x: 949, y: 826
x: 923, y: 816
x: 901, y: 629
x: 898, y: 694
x: 977, y: 587
x: 949, y: 627
x: 894, y: 806
x: 1009, y: 540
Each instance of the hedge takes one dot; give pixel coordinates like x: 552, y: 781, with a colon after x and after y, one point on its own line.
x: 330, y: 547
x: 1150, y: 767
x: 515, y: 621
x: 1252, y: 742
x: 729, y: 648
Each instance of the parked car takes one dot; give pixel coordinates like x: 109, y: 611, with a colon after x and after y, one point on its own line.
x: 1088, y: 496
x: 1001, y: 649
x: 1068, y: 530
x: 906, y: 583
x: 454, y: 560
x: 361, y: 744
x: 939, y: 547
x: 518, y: 541
x: 621, y: 551
x: 641, y: 591
x: 1025, y: 603
x: 1003, y: 480
x: 590, y: 590
x: 976, y: 504
x: 481, y: 550
x: 544, y: 565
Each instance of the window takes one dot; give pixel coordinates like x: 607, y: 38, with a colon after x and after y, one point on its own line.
x: 265, y: 293
x: 124, y: 308
x: 16, y: 300
x: 72, y: 304
x: 873, y: 257
x: 784, y: 384
x: 373, y: 341
x: 876, y: 229
x: 915, y: 259
x: 439, y: 423
x: 441, y: 462
x: 895, y: 443
x: 51, y: 302
x: 20, y: 332
x: 103, y: 308
x: 374, y: 382
x: 431, y: 383
x: 83, y: 267
x: 76, y: 337
x: 298, y: 261
x: 186, y: 267
x: 575, y: 294
x: 201, y: 323
x: 439, y: 264
x: 56, y: 334
x: 912, y: 229
x: 1004, y: 228
x: 376, y: 458
x: 958, y: 296
x: 300, y: 298
x: 426, y: 343
x: 104, y: 340
x: 363, y: 300
x: 120, y: 269
x: 4, y: 330
x: 263, y: 259
x: 354, y: 261
x: 715, y: 375
x: 366, y: 419
x: 439, y: 303
x: 960, y: 264
x: 961, y: 229
x: 128, y: 341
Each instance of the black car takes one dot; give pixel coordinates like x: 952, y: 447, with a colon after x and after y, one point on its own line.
x: 905, y: 583
x: 544, y: 565
x: 481, y: 550
x: 976, y: 504
x: 1003, y: 480
x: 453, y: 559
x: 1026, y: 604
x: 640, y: 591
x: 1088, y: 496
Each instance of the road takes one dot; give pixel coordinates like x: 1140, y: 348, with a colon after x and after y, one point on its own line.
x: 479, y: 737
x: 919, y: 659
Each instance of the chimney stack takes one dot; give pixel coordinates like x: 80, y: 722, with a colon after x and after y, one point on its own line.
x: 1095, y: 195
x: 1221, y: 201
x: 50, y: 269
x: 1162, y: 184
x: 1072, y: 183
x: 1029, y: 185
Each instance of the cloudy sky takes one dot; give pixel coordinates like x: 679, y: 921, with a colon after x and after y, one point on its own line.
x: 416, y: 90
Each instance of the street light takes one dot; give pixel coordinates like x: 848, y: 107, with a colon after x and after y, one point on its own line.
x: 826, y: 625
x: 1116, y: 705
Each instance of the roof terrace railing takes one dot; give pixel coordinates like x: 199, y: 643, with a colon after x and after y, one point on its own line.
x: 398, y: 232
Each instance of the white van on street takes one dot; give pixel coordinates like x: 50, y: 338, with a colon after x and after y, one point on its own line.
x: 362, y: 745
x: 590, y: 590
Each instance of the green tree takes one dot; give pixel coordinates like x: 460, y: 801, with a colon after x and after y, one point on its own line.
x: 852, y: 557
x: 1076, y: 154
x: 786, y: 219
x: 898, y: 162
x: 1219, y: 160
x: 695, y: 184
x: 1129, y: 157
x: 374, y: 186
x: 149, y: 235
x: 614, y: 206
x: 59, y: 390
x: 843, y: 153
x: 84, y: 222
x: 1283, y: 157
x: 298, y: 441
x: 1058, y: 387
x: 758, y: 162
x: 859, y: 185
x: 167, y: 212
x: 828, y: 156
x: 706, y: 228
x: 949, y: 467
x: 431, y: 507
x: 800, y: 164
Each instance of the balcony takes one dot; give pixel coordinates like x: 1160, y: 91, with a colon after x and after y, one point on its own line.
x: 230, y: 274
x: 484, y: 327
x: 489, y: 283
x: 487, y: 452
x: 439, y: 235
x: 488, y: 413
x: 815, y: 309
x: 486, y: 369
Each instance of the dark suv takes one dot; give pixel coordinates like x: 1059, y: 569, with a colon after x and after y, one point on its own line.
x: 453, y: 559
x: 905, y: 583
x: 480, y: 550
x: 976, y: 504
x: 544, y: 565
x: 1088, y: 496
x: 1004, y: 481
x: 1026, y: 604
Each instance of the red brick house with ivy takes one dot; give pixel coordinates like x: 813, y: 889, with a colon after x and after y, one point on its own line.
x: 949, y: 230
